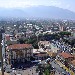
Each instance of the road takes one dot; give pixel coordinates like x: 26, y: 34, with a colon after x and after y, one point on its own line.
x: 28, y: 71
x: 57, y: 67
x: 57, y: 73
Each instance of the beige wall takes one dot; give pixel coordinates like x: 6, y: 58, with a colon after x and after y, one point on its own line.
x: 24, y: 53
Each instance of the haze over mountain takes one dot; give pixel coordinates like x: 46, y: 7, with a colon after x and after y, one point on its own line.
x: 38, y: 12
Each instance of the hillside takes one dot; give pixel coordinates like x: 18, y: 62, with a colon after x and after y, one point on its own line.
x: 38, y: 12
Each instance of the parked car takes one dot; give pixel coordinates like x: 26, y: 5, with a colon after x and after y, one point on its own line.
x: 63, y: 73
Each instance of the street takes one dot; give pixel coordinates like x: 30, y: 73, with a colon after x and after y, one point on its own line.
x: 57, y: 67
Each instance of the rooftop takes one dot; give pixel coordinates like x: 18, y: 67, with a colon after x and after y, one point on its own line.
x: 38, y: 50
x: 45, y: 42
x: 19, y: 46
x: 65, y: 55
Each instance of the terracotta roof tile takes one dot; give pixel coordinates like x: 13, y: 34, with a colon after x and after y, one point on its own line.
x: 65, y: 55
x: 19, y: 46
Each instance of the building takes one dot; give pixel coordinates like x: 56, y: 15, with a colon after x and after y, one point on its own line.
x: 19, y: 52
x: 61, y: 28
x: 51, y: 54
x: 10, y: 39
x: 72, y: 65
x: 39, y: 54
x: 73, y: 52
x: 65, y: 58
x: 44, y: 44
x: 49, y: 48
x: 53, y: 50
x: 20, y: 35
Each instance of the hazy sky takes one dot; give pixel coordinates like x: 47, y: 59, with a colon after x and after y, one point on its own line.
x: 66, y: 4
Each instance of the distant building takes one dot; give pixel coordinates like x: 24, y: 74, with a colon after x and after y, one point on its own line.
x: 61, y: 28
x: 10, y: 39
x: 7, y: 37
x: 20, y: 35
x: 19, y: 52
x: 73, y: 34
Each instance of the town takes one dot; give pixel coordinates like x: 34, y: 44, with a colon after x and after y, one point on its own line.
x: 37, y: 47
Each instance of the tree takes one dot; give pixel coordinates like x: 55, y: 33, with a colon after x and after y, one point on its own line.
x: 65, y: 33
x: 32, y: 58
x: 21, y: 41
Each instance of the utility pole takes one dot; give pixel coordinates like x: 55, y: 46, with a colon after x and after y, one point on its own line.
x: 1, y: 54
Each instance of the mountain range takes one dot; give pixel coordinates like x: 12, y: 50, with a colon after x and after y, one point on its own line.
x: 38, y: 12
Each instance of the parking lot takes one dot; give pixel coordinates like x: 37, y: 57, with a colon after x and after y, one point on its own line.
x: 28, y: 71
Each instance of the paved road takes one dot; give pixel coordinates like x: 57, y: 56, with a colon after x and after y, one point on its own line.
x: 28, y: 71
x: 57, y: 73
x: 57, y: 67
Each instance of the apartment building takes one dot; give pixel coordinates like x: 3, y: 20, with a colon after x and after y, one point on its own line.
x: 19, y: 52
x: 65, y: 58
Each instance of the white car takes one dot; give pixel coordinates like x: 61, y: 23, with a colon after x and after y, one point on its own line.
x: 13, y: 68
x: 63, y: 73
x: 0, y: 68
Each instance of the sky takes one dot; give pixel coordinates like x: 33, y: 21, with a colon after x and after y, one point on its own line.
x: 66, y: 4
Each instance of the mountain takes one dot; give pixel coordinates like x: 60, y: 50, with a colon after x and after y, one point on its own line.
x: 38, y: 12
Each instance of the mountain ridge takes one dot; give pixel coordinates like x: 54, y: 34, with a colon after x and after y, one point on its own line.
x: 38, y: 12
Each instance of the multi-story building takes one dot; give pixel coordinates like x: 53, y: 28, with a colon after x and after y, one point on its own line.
x: 65, y: 58
x: 40, y: 54
x: 72, y: 65
x: 44, y: 44
x: 49, y: 48
x: 19, y: 52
